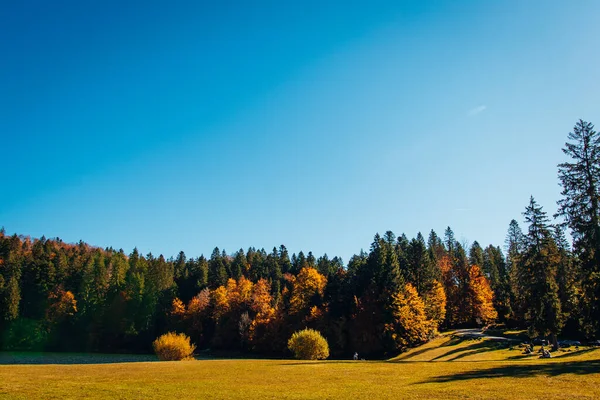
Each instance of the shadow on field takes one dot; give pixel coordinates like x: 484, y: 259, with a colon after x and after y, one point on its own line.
x: 477, y: 347
x: 524, y: 371
x: 577, y: 352
x: 411, y: 355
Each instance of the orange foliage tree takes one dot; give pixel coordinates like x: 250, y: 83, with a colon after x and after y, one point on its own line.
x: 435, y: 304
x: 308, y: 285
x: 480, y: 297
x: 410, y: 325
x: 62, y: 305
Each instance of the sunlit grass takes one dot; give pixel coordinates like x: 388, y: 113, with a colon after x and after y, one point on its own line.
x: 461, y: 369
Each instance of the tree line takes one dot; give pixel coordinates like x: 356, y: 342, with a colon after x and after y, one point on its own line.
x: 77, y: 297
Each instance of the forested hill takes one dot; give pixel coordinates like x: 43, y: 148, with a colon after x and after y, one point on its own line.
x: 76, y: 297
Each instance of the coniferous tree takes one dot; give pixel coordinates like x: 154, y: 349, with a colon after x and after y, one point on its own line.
x: 421, y: 272
x: 217, y: 274
x: 239, y: 264
x: 284, y: 260
x: 568, y: 285
x: 515, y: 247
x: 476, y: 254
x: 494, y: 268
x: 539, y: 266
x: 580, y: 207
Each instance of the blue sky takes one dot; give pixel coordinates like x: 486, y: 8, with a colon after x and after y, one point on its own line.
x: 186, y: 126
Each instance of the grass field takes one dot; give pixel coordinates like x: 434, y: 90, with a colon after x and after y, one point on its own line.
x: 446, y: 368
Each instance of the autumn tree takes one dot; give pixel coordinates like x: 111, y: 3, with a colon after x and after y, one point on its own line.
x: 434, y: 300
x: 480, y: 297
x: 410, y: 325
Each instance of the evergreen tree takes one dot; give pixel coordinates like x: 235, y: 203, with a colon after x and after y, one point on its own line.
x: 217, y: 274
x: 538, y: 273
x: 436, y: 250
x: 284, y: 260
x: 568, y: 285
x: 494, y: 268
x: 580, y: 207
x: 515, y: 247
x: 421, y: 269
x: 180, y: 269
x: 449, y: 240
x: 476, y: 254
x: 239, y: 264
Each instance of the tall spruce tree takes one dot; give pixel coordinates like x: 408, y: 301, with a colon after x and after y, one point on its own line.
x: 538, y: 271
x: 580, y: 207
x: 476, y: 254
x: 217, y: 274
x: 515, y: 246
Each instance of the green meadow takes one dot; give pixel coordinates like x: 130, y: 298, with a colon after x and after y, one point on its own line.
x: 445, y: 368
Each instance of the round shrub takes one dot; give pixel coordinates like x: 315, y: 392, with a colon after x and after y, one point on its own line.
x: 173, y: 347
x: 308, y: 344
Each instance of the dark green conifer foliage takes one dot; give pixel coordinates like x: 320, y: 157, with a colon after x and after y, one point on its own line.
x: 180, y: 270
x: 494, y: 268
x: 421, y: 271
x: 538, y: 271
x: 284, y: 260
x: 567, y: 280
x: 476, y: 254
x: 449, y: 240
x: 239, y: 264
x: 311, y: 261
x: 436, y: 250
x: 580, y: 207
x: 217, y: 274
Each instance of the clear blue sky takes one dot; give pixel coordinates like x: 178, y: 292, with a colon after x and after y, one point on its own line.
x: 184, y: 126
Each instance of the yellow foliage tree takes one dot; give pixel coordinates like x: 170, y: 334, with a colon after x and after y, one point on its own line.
x: 435, y: 304
x: 306, y: 286
x: 178, y: 308
x: 410, y: 326
x: 220, y: 301
x: 480, y: 297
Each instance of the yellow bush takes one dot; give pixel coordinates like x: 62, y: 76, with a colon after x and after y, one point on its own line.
x: 173, y: 347
x: 308, y: 344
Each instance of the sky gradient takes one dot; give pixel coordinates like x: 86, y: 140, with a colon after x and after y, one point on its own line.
x: 187, y: 126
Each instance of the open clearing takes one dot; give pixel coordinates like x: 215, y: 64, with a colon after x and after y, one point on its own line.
x: 446, y: 368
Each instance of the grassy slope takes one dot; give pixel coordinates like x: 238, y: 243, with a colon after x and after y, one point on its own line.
x: 473, y: 372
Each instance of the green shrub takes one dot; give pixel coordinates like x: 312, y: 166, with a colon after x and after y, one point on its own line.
x: 173, y: 347
x: 308, y: 344
x: 24, y: 334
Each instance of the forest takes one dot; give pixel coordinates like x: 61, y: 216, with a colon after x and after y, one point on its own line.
x: 57, y: 296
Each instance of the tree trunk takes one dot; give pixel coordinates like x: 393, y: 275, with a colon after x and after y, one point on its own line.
x: 554, y: 341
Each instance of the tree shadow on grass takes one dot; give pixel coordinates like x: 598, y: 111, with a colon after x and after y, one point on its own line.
x: 523, y: 371
x: 576, y: 352
x: 477, y: 347
x: 453, y: 341
x: 411, y: 355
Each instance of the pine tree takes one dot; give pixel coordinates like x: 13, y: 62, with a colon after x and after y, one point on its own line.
x: 239, y: 264
x: 494, y: 268
x: 420, y: 268
x: 580, y: 207
x: 538, y: 273
x: 284, y: 260
x: 217, y: 274
x: 515, y: 247
x: 476, y: 254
